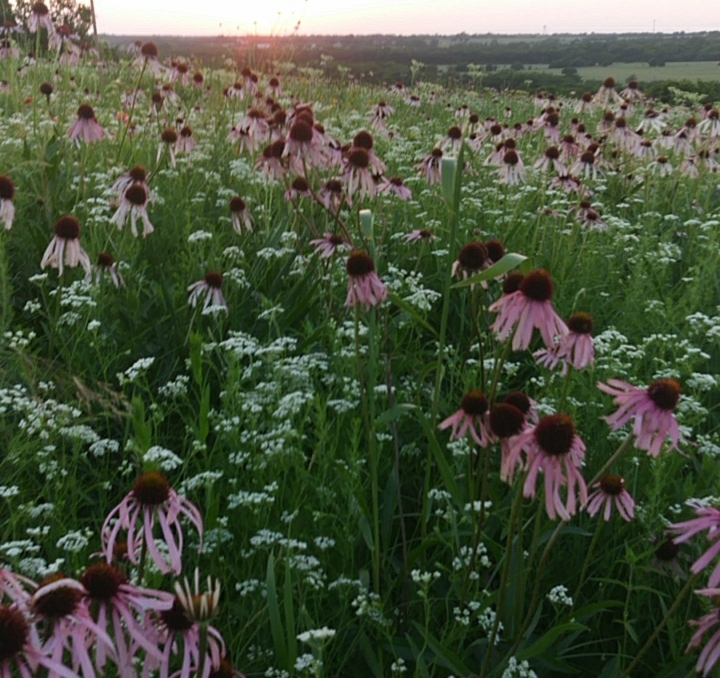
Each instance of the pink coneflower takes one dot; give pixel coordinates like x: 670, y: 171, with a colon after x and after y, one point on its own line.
x: 135, y: 175
x: 299, y: 188
x: 632, y: 91
x: 577, y: 346
x: 623, y: 135
x: 364, y: 286
x: 554, y: 447
x: 689, y: 168
x: 528, y: 307
x: 59, y: 603
x: 585, y: 166
x: 584, y: 103
x: 550, y: 127
x: 303, y: 145
x: 198, y: 79
x: 331, y: 195
x: 512, y: 171
x: 40, y: 18
x: 609, y: 490
x: 550, y: 160
x: 86, y: 126
x: 186, y: 142
x: 168, y: 141
x: 328, y: 245
x: 651, y: 410
x: 239, y: 214
x: 211, y: 287
x: 506, y: 422
x: 710, y: 126
x: 148, y: 57
x: 708, y: 518
x: 430, y: 166
x: 357, y: 174
x: 365, y: 141
x: 181, y: 72
x: 106, y: 265
x: 14, y: 586
x: 681, y: 143
x: 64, y: 249
x: 379, y: 114
x: 256, y: 126
x: 133, y: 205
x: 569, y: 148
x: 419, y: 234
x: 20, y: 645
x: 644, y: 150
x: 473, y: 417
x: 116, y: 602
x: 711, y: 652
x: 151, y: 498
x: 472, y: 259
x: 274, y: 89
x: 607, y: 94
x: 174, y: 626
x: 270, y: 162
x: 395, y: 185
x: 7, y: 209
x: 453, y: 139
x: 568, y: 183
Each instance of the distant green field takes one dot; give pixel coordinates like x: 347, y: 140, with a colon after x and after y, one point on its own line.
x: 676, y: 70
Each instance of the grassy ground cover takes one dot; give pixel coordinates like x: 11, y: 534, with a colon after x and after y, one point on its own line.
x: 355, y: 528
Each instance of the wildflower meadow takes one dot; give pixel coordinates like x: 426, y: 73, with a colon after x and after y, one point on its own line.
x: 309, y: 378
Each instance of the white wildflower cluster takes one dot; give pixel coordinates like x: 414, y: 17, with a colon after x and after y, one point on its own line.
x: 316, y: 635
x: 199, y: 236
x: 76, y: 296
x: 254, y: 500
x: 311, y: 568
x: 166, y: 459
x: 558, y: 595
x: 424, y: 579
x: 136, y: 370
x: 306, y: 663
x: 200, y: 480
x: 9, y: 491
x: 398, y: 667
x: 79, y: 432
x: 486, y: 620
x: 324, y: 543
x: 18, y: 340
x: 464, y: 559
x: 175, y: 387
x: 517, y: 669
x: 407, y: 284
x: 104, y: 446
x: 74, y: 541
x: 245, y: 588
x: 38, y: 417
x: 32, y: 307
x: 367, y: 604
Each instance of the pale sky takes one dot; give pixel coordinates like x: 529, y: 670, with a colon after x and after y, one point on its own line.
x: 278, y: 17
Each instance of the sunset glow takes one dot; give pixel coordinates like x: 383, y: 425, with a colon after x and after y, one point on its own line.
x: 280, y: 17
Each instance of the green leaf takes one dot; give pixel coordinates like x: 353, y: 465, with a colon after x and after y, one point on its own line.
x: 395, y: 412
x: 141, y: 428
x: 289, y: 615
x: 411, y: 311
x: 203, y: 415
x: 507, y: 263
x: 196, y: 341
x: 448, y: 169
x: 445, y: 657
x: 545, y: 641
x: 443, y: 466
x: 274, y: 612
x: 369, y: 654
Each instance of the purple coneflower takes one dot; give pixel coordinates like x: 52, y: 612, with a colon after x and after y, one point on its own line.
x: 708, y: 518
x: 711, y: 652
x: 299, y: 188
x: 64, y: 249
x: 106, y: 264
x: 609, y: 490
x: 651, y: 410
x: 328, y: 245
x: 554, y: 447
x: 331, y: 195
x: 40, y: 18
x: 133, y: 205
x: 270, y: 162
x: 168, y: 140
x: 239, y: 214
x: 364, y: 286
x: 357, y: 174
x: 506, y: 422
x: 151, y: 498
x: 395, y: 185
x: 419, y: 234
x: 186, y: 141
x: 86, y: 126
x: 430, y: 166
x: 512, y: 171
x: 211, y: 287
x: 7, y: 209
x: 550, y: 160
x: 527, y: 307
x: 473, y: 417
